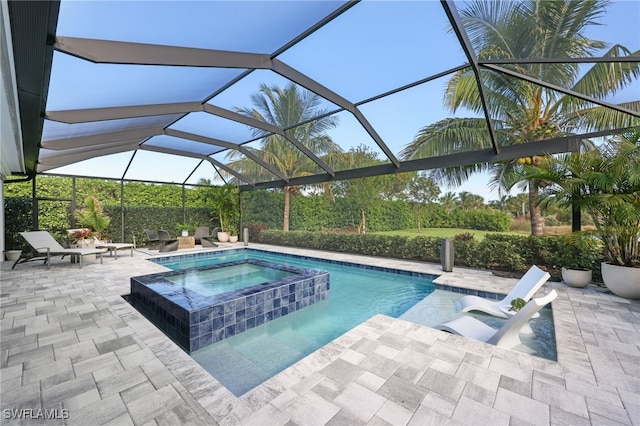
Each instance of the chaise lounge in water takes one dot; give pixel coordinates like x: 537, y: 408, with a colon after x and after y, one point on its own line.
x: 508, y: 336
x: 524, y: 289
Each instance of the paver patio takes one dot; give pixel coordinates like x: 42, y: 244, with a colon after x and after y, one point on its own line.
x: 71, y: 345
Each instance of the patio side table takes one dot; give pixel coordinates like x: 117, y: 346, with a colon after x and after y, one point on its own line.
x: 186, y: 242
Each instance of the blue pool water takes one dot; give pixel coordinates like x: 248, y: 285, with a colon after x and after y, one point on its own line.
x: 245, y: 360
x: 235, y: 277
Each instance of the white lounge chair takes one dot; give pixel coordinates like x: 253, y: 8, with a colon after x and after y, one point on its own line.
x: 508, y: 336
x: 45, y: 245
x: 524, y: 289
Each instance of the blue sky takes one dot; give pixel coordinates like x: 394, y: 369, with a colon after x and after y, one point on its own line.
x: 375, y: 47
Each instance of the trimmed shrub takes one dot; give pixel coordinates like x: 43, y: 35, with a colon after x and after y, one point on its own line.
x: 500, y: 252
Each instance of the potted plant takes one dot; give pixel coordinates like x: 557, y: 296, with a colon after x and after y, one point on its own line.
x: 17, y: 219
x: 185, y: 229
x: 224, y: 202
x: 82, y: 238
x: 578, y: 256
x: 605, y: 183
x: 612, y: 199
x: 517, y: 304
x: 233, y: 234
x: 93, y: 217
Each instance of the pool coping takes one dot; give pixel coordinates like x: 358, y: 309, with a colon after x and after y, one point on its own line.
x: 299, y: 256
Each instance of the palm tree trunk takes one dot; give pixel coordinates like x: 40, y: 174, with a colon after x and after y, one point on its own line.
x: 287, y: 198
x: 534, y: 209
x: 363, y: 222
x: 576, y: 218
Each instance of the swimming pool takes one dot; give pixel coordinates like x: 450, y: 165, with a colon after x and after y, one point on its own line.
x: 358, y: 293
x: 247, y: 359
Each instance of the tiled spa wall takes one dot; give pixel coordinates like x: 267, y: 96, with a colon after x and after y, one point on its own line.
x: 194, y: 321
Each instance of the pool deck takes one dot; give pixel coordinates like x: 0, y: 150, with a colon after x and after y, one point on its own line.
x: 70, y: 344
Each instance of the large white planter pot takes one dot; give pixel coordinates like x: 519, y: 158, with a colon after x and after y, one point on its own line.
x: 223, y: 237
x: 13, y: 255
x: 576, y: 277
x: 621, y: 280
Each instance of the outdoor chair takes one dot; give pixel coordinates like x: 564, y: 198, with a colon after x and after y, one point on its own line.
x: 166, y: 242
x: 46, y: 247
x: 205, y: 239
x: 153, y: 241
x: 201, y: 231
x: 507, y: 336
x: 524, y: 289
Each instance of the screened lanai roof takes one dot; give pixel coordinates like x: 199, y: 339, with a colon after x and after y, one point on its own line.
x: 152, y: 90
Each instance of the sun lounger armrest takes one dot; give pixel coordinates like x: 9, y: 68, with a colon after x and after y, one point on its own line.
x: 48, y: 260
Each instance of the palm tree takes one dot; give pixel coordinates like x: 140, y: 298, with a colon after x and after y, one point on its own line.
x: 500, y: 204
x: 286, y: 108
x: 517, y: 205
x: 449, y: 201
x: 223, y: 201
x: 522, y: 111
x: 606, y: 183
x: 92, y: 215
x: 469, y: 201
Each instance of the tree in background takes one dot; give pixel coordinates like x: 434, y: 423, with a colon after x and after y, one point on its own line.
x: 422, y: 190
x: 286, y: 108
x: 522, y: 111
x: 364, y: 192
x: 499, y: 204
x: 469, y: 201
x: 449, y: 201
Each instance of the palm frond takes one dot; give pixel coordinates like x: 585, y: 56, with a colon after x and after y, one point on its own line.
x: 447, y: 137
x: 456, y: 176
x: 591, y: 117
x: 604, y: 79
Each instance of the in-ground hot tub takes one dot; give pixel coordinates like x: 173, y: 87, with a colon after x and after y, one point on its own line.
x: 202, y: 305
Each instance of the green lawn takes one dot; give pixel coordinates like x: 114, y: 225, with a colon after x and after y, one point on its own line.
x: 444, y: 233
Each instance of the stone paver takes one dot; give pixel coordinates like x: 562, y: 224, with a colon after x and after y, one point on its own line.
x: 70, y: 342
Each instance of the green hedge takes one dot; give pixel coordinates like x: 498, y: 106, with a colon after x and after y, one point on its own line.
x: 436, y: 216
x: 136, y: 219
x: 54, y: 216
x: 318, y: 212
x: 17, y: 211
x: 509, y: 253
